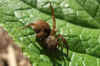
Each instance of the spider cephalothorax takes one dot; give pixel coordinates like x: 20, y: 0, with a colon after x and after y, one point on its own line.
x: 45, y: 36
x: 41, y: 28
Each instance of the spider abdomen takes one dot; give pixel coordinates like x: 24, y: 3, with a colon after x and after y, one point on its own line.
x: 51, y: 42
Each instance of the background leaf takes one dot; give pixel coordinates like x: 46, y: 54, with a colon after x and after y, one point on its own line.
x: 76, y: 19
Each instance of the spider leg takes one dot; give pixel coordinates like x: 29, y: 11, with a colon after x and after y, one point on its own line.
x: 53, y: 32
x: 29, y: 25
x: 64, y: 41
x: 57, y: 42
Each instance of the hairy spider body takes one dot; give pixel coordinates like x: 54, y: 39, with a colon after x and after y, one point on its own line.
x: 45, y: 36
x: 41, y: 28
x: 49, y: 43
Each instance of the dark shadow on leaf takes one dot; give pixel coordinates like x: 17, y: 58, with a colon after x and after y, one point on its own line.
x: 12, y: 20
x: 11, y: 17
x: 11, y: 14
x: 94, y: 55
x: 32, y: 3
x: 24, y: 8
x: 55, y: 55
x: 98, y: 1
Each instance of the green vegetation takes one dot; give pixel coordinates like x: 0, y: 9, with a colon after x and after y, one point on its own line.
x: 77, y: 19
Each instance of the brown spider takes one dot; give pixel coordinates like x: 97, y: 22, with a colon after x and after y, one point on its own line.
x: 45, y: 36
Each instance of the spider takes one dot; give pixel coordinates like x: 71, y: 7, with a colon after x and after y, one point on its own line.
x: 45, y: 36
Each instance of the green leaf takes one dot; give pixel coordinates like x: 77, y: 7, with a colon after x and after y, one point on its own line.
x: 83, y: 13
x: 76, y: 19
x: 87, y: 10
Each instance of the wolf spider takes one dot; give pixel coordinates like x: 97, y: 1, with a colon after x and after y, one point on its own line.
x: 45, y: 36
